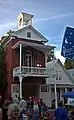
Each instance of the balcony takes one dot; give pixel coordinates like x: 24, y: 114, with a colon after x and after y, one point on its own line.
x: 30, y: 71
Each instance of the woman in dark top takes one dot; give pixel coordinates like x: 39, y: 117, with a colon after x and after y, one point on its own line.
x: 72, y: 114
x: 5, y: 110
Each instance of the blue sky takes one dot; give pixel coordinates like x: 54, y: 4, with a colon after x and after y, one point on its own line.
x: 50, y: 17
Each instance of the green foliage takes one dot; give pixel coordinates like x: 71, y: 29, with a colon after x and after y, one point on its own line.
x: 9, y: 32
x: 50, y: 55
x: 6, y: 37
x: 3, y: 79
x: 69, y: 64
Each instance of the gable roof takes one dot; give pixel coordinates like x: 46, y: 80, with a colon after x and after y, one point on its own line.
x: 65, y: 70
x: 26, y: 14
x: 34, y: 29
x: 58, y: 61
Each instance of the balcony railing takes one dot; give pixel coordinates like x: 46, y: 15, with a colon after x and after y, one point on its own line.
x: 30, y: 71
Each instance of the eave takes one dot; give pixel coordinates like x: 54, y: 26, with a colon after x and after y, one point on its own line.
x: 40, y: 47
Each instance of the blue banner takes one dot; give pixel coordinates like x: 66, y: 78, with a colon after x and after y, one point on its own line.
x: 68, y: 44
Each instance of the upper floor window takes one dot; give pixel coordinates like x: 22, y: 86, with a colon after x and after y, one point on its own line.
x: 20, y: 22
x: 28, y: 34
x: 58, y: 77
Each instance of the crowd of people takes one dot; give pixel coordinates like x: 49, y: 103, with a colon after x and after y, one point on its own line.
x: 20, y: 109
x: 31, y: 109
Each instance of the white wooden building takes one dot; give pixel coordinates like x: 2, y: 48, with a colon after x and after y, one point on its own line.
x: 64, y: 81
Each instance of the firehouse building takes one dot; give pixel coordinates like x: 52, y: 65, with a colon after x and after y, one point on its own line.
x: 26, y: 55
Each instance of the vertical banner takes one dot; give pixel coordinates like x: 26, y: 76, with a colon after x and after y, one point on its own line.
x: 68, y: 44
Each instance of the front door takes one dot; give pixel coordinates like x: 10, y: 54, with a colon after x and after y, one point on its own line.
x: 28, y: 60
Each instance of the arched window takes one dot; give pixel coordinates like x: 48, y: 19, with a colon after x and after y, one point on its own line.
x: 28, y: 52
x: 20, y: 21
x: 28, y: 58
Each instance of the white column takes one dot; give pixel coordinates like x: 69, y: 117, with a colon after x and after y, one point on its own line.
x: 20, y: 86
x: 20, y: 56
x: 55, y: 87
x: 20, y: 71
x: 65, y: 89
x: 50, y: 97
x: 61, y: 91
x: 45, y: 59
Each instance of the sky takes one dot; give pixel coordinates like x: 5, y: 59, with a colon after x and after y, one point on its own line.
x: 51, y: 17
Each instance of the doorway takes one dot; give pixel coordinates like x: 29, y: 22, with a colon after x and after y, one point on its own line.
x: 30, y: 90
x: 28, y: 59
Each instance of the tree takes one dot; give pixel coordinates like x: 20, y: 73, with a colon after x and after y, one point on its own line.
x: 9, y: 32
x: 50, y: 55
x: 3, y: 78
x: 69, y: 64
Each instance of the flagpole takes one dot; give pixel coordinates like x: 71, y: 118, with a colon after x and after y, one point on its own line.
x: 55, y: 87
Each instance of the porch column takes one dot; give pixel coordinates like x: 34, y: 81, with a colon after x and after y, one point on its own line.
x: 50, y: 97
x: 45, y: 58
x: 61, y: 92
x: 65, y: 89
x: 20, y: 78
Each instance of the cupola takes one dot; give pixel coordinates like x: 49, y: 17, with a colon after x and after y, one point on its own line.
x: 24, y: 19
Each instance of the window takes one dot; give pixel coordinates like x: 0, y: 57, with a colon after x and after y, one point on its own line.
x: 44, y: 88
x: 20, y: 22
x: 56, y: 77
x: 60, y: 78
x: 29, y: 34
x: 15, y: 89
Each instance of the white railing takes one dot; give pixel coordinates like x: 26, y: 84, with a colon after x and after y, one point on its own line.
x: 30, y: 71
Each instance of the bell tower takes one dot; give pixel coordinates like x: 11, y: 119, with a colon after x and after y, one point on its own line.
x: 24, y: 19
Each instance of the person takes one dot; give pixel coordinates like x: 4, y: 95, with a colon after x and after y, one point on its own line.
x: 11, y: 107
x: 41, y: 105
x: 22, y: 104
x: 60, y: 112
x: 5, y: 110
x: 32, y: 103
x: 0, y: 101
x: 14, y: 113
x: 72, y: 114
x: 16, y: 100
x: 29, y: 103
x: 22, y: 107
x: 35, y: 111
x: 0, y: 114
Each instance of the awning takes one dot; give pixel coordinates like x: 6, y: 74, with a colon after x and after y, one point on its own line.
x: 69, y: 94
x: 40, y: 47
